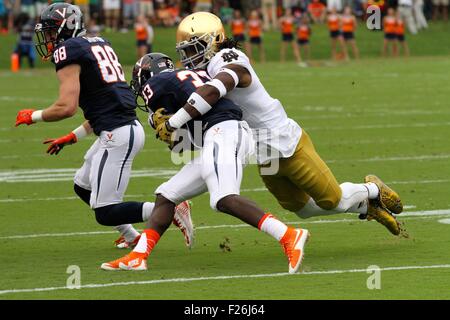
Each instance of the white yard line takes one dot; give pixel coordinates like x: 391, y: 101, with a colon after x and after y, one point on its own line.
x: 410, y: 215
x: 221, y: 277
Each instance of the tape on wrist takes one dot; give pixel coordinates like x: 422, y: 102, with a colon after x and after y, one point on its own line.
x: 199, y: 103
x: 232, y: 74
x: 80, y: 132
x: 216, y: 83
x: 179, y: 118
x: 37, y: 116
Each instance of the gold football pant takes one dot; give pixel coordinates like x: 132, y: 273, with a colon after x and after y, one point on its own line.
x: 302, y: 176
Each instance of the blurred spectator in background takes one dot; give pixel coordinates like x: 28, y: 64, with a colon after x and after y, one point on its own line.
x: 443, y: 4
x: 269, y: 13
x: 225, y: 12
x: 112, y: 14
x: 3, y: 18
x: 84, y: 7
x: 93, y: 29
x: 334, y: 22
x: 238, y: 26
x: 130, y: 12
x: 405, y: 8
x: 317, y: 11
x: 287, y: 36
x: 28, y: 7
x: 303, y: 34
x: 390, y: 32
x: 334, y: 4
x: 147, y: 9
x: 203, y: 5
x: 421, y: 22
x: 254, y: 25
x: 348, y: 23
x: 167, y: 14
x: 400, y: 33
x: 95, y: 10
x: 40, y: 5
x: 25, y: 45
x: 144, y: 36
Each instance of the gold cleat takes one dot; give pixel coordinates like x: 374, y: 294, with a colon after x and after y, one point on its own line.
x: 388, y: 198
x: 381, y: 215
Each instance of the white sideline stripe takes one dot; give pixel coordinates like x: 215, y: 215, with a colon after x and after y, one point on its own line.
x: 430, y: 213
x: 213, y: 278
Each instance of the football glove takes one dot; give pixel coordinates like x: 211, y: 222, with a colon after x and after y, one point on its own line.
x: 56, y: 145
x: 164, y: 133
x: 158, y: 117
x: 24, y: 117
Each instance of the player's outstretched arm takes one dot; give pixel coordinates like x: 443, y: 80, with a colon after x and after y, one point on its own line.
x: 65, y: 106
x: 202, y: 100
x: 56, y: 145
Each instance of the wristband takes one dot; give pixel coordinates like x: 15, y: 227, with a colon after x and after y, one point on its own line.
x: 216, y: 83
x: 37, y: 116
x: 179, y: 119
x: 232, y: 74
x: 80, y: 132
x: 199, y: 103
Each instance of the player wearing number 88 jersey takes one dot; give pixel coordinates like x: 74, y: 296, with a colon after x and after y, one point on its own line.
x: 90, y: 76
x: 105, y: 97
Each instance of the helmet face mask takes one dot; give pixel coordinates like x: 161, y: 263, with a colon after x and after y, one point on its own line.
x: 58, y: 22
x: 198, y: 38
x: 194, y: 53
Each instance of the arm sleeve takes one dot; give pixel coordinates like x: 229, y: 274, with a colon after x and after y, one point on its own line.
x: 69, y: 52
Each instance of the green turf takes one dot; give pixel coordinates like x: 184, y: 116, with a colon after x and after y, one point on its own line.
x: 430, y: 42
x: 373, y: 116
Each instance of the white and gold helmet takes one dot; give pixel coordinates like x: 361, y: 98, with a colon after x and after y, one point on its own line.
x: 198, y: 37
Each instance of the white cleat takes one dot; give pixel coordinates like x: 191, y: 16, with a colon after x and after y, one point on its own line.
x: 182, y: 219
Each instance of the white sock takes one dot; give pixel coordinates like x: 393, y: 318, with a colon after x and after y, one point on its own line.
x: 354, y: 196
x: 141, y: 246
x: 272, y: 226
x: 127, y: 231
x: 147, y: 210
x: 373, y: 190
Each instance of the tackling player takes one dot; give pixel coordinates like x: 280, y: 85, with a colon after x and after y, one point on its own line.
x: 91, y: 76
x: 226, y: 144
x: 303, y: 183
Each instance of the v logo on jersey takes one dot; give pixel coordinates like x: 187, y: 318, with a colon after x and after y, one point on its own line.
x: 63, y: 13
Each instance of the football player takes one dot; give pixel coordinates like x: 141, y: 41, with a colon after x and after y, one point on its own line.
x: 303, y: 182
x: 225, y: 143
x: 90, y: 76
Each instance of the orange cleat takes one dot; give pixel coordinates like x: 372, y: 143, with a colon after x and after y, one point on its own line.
x: 133, y: 261
x: 121, y: 243
x: 293, y: 243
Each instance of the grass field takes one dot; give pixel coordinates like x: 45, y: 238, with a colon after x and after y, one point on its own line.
x: 386, y: 117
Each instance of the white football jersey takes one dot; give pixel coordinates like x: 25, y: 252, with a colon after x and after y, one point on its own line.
x: 276, y: 134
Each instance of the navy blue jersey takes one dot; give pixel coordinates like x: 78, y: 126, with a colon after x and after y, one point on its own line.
x: 105, y: 97
x: 170, y: 90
